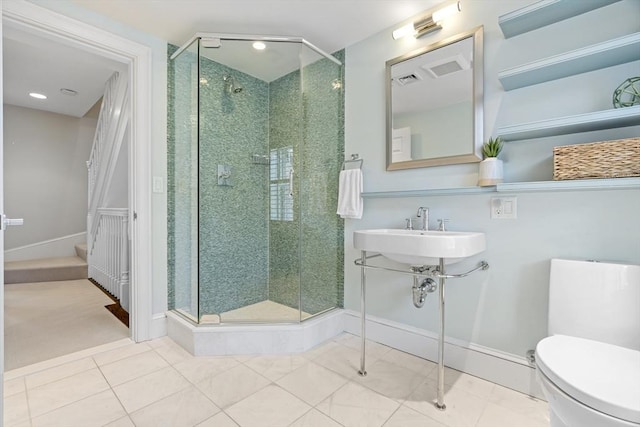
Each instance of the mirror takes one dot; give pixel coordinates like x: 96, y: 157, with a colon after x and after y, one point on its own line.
x: 434, y: 104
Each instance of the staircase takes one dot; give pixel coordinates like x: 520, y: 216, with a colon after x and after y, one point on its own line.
x: 48, y: 269
x: 105, y: 256
x: 108, y: 225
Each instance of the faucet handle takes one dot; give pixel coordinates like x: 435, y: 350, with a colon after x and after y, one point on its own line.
x: 442, y: 224
x: 409, y: 225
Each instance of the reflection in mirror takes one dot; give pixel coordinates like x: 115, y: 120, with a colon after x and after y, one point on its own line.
x: 434, y: 104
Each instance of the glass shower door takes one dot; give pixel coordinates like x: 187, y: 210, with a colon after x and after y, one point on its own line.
x: 322, y: 245
x: 255, y: 148
x: 285, y: 144
x: 183, y: 218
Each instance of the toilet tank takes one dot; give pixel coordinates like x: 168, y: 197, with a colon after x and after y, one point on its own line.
x: 595, y: 300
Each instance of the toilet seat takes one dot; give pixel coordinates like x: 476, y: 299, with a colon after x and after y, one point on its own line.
x: 601, y: 376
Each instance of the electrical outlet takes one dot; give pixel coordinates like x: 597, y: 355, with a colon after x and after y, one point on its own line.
x: 504, y: 207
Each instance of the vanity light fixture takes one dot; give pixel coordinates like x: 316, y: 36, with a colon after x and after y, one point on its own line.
x: 427, y: 24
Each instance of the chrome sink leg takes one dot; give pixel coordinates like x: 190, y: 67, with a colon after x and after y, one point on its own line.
x: 363, y: 316
x: 440, y: 402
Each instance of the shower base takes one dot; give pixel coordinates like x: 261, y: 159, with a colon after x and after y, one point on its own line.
x: 229, y: 339
x: 263, y: 312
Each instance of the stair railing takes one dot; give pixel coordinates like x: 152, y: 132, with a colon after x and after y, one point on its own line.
x: 107, y: 234
x: 110, y: 133
x: 109, y: 254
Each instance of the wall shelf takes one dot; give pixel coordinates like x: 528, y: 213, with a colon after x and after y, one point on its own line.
x: 607, y: 119
x: 570, y: 185
x: 601, y: 55
x: 544, y: 13
x: 517, y: 187
x: 428, y: 192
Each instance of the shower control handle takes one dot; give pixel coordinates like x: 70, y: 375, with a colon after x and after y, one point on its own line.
x: 291, y: 182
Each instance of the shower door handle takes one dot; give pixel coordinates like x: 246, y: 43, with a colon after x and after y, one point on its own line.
x: 291, y: 182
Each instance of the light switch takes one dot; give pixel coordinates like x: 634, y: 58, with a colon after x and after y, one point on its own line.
x: 158, y: 184
x: 504, y: 207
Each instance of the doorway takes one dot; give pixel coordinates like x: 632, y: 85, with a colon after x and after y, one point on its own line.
x: 137, y: 59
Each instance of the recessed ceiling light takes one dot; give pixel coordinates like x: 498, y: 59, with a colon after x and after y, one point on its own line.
x: 259, y: 46
x: 69, y: 92
x: 37, y: 95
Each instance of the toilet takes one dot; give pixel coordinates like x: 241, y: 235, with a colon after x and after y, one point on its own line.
x: 589, y: 365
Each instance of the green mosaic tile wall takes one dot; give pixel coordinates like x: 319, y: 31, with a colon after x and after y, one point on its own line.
x: 314, y: 263
x: 244, y: 257
x: 234, y: 244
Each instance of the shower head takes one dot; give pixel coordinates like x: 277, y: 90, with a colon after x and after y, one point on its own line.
x: 230, y: 85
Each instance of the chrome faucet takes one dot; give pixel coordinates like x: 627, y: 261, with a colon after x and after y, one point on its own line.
x: 442, y: 224
x: 424, y: 214
x: 409, y: 225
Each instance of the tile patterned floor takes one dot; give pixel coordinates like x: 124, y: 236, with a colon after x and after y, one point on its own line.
x: 158, y: 384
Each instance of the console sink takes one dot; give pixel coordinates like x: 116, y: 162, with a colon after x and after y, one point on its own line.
x: 417, y: 247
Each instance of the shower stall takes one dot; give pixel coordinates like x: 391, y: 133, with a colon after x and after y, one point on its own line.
x: 255, y: 146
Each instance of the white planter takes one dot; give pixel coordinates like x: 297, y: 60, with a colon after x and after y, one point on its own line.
x: 490, y: 172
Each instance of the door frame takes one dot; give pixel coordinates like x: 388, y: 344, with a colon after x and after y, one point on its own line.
x: 1, y: 231
x: 138, y: 58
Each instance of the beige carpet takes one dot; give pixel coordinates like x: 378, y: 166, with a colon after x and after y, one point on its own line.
x: 50, y: 319
x: 45, y: 270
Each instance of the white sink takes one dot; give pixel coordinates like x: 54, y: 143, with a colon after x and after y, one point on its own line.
x: 416, y: 247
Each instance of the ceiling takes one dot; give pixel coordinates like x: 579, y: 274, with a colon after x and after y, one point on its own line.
x: 32, y: 63
x: 329, y: 24
x: 36, y: 64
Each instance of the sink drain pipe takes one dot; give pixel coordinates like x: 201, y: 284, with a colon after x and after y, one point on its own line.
x: 421, y: 288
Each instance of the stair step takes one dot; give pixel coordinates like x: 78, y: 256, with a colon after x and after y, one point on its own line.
x: 81, y: 250
x: 45, y: 270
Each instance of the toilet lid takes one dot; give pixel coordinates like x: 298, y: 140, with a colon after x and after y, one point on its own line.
x: 602, y: 376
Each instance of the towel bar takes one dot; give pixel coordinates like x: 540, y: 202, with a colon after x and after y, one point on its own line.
x: 355, y: 158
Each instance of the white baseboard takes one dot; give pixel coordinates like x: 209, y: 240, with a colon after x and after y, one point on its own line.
x: 58, y: 247
x: 505, y: 369
x: 158, y: 326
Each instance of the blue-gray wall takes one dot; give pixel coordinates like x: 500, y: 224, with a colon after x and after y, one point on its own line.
x: 504, y: 308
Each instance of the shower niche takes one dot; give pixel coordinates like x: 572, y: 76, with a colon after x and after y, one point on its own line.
x: 255, y: 144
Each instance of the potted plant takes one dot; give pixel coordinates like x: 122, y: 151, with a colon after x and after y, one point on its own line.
x: 490, y: 172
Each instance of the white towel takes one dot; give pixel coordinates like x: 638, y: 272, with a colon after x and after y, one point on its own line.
x: 350, y: 194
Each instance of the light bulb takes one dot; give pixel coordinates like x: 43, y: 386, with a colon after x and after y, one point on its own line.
x: 447, y: 11
x: 405, y: 30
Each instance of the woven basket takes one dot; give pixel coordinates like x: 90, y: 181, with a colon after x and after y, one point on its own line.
x: 608, y: 159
